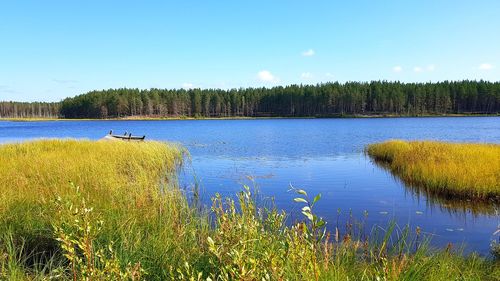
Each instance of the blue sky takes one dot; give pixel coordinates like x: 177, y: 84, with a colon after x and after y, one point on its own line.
x: 53, y: 49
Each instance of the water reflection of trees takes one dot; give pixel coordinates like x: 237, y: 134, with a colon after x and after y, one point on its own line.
x: 457, y: 207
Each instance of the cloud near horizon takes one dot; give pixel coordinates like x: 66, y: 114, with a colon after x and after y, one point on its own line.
x: 308, y: 53
x: 417, y: 69
x: 306, y: 75
x: 187, y: 85
x: 486, y: 66
x: 267, y: 76
x: 397, y: 68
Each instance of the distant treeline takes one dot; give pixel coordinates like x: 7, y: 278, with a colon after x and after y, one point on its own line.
x: 330, y: 99
x: 296, y: 100
x: 29, y: 109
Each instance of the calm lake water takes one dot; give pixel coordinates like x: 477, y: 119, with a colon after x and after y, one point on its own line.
x: 319, y: 155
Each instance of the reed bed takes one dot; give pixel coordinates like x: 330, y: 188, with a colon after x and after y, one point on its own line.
x: 452, y: 170
x: 82, y: 210
x: 128, y: 186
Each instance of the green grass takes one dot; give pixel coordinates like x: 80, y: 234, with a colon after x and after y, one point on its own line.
x: 122, y: 181
x: 122, y: 217
x: 453, y: 170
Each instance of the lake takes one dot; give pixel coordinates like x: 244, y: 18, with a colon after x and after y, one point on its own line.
x: 319, y: 155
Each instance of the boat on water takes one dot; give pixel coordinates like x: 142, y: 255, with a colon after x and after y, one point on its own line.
x: 126, y: 137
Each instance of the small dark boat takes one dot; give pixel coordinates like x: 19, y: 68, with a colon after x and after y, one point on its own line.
x: 126, y: 136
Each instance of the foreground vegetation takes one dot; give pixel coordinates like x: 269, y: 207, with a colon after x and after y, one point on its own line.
x: 468, y: 171
x: 323, y: 100
x: 86, y: 210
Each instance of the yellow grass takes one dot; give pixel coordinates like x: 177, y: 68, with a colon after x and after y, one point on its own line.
x: 465, y: 170
x: 36, y: 171
x: 121, y: 180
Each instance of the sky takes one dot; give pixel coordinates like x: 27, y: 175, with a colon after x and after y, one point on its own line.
x: 51, y: 49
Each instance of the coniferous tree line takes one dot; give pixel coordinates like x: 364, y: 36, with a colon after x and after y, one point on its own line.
x: 29, y: 109
x: 329, y: 99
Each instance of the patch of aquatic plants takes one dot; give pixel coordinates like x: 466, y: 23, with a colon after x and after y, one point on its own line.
x: 451, y: 170
x: 115, y: 222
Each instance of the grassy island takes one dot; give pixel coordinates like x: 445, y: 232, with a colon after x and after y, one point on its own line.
x: 82, y: 210
x: 459, y: 170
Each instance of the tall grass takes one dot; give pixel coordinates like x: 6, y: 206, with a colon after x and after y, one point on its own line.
x: 463, y: 170
x: 122, y: 217
x: 129, y: 186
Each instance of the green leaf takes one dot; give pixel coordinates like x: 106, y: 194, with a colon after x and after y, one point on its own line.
x: 301, y: 191
x: 316, y: 198
x: 321, y: 223
x: 300, y: 200
x: 210, y: 241
x: 308, y: 215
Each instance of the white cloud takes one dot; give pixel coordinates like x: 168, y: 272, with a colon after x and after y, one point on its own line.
x: 187, y: 86
x: 397, y: 68
x: 306, y: 75
x: 329, y: 75
x: 417, y: 69
x: 431, y: 67
x: 267, y: 76
x: 308, y: 53
x: 486, y: 66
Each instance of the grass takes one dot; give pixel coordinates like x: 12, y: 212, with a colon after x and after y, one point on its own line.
x: 122, y: 217
x: 452, y: 170
x: 122, y: 181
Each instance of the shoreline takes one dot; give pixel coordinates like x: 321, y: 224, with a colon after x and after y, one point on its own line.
x: 145, y: 118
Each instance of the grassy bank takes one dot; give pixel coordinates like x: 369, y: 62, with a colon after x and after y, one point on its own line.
x: 467, y: 171
x: 121, y: 181
x: 122, y: 217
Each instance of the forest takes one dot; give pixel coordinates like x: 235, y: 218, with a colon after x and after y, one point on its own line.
x: 10, y: 109
x: 321, y: 100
